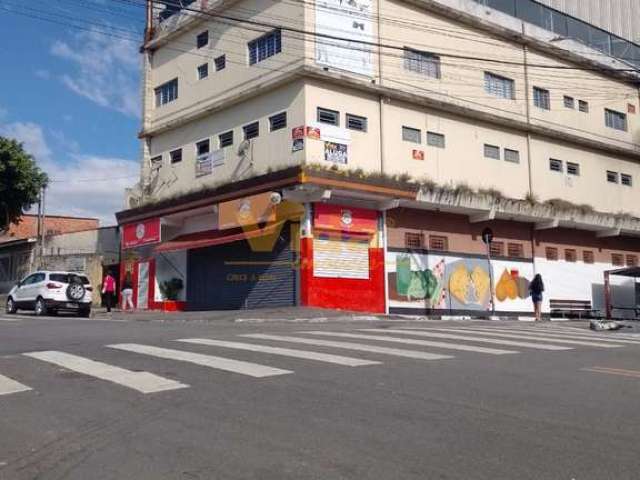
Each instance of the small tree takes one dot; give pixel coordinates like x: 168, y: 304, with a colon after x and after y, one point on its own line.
x: 20, y: 181
x: 171, y: 288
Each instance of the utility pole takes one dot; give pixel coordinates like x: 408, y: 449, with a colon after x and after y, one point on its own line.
x: 41, y: 227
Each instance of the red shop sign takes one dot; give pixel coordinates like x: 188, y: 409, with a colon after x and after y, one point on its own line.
x: 143, y: 233
x: 338, y: 217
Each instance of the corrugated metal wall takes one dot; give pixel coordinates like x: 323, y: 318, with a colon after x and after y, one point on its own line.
x: 621, y: 17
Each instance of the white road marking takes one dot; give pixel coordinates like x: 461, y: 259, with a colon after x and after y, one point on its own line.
x: 430, y: 333
x: 558, y: 337
x: 7, y: 319
x: 286, y: 352
x: 351, y: 346
x: 219, y: 363
x: 579, y: 333
x: 8, y: 386
x: 521, y: 336
x: 144, y: 382
x: 410, y: 341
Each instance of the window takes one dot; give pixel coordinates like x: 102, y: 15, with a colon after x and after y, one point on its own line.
x: 278, y: 121
x: 251, y: 131
x: 176, y: 155
x: 424, y: 63
x: 551, y: 253
x: 202, y: 39
x: 202, y: 148
x: 499, y: 86
x: 167, y: 92
x: 496, y: 249
x: 583, y: 106
x: 328, y: 116
x: 515, y: 250
x: 491, y: 151
x: 617, y: 259
x: 626, y: 180
x: 512, y: 155
x: 413, y: 240
x: 355, y: 122
x: 435, y: 139
x: 632, y: 260
x: 570, y: 255
x: 438, y: 242
x: 612, y: 177
x: 588, y: 257
x: 225, y: 139
x: 555, y: 165
x: 264, y: 47
x: 411, y: 135
x: 573, y: 169
x: 615, y: 120
x: 220, y: 62
x: 569, y: 102
x: 203, y: 71
x: 541, y: 98
x: 156, y: 162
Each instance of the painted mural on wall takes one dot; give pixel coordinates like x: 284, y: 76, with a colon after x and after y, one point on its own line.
x: 449, y: 282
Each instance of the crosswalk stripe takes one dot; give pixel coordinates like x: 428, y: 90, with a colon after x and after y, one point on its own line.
x: 449, y: 336
x: 410, y: 341
x: 579, y: 333
x: 522, y: 336
x: 219, y: 363
x: 351, y: 346
x: 8, y: 386
x: 557, y: 336
x: 286, y: 352
x: 144, y: 382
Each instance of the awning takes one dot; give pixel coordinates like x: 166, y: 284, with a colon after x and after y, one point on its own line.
x: 211, y: 238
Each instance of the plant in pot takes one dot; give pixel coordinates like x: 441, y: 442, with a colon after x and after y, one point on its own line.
x: 170, y: 290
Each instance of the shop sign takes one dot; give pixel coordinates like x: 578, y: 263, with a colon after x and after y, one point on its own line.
x: 337, y: 217
x: 297, y: 133
x: 336, y: 153
x: 247, y: 211
x: 143, y: 233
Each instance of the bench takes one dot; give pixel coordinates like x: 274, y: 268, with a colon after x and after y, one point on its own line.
x: 635, y: 310
x: 573, y: 308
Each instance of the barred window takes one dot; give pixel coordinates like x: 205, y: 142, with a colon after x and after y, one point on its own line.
x: 588, y: 257
x: 225, y: 139
x: 512, y: 156
x: 176, y: 155
x: 278, y: 121
x: 496, y: 249
x: 438, y: 242
x: 632, y: 260
x: 570, y: 255
x: 202, y: 39
x: 435, y: 139
x: 569, y: 102
x: 220, y: 62
x: 251, y: 131
x: 626, y: 180
x: 411, y: 135
x: 356, y: 122
x: 413, y: 240
x: 541, y: 98
x: 264, y: 47
x: 583, y: 106
x: 615, y: 120
x: 573, y: 169
x: 617, y: 259
x: 555, y: 165
x: 424, y: 63
x: 491, y: 151
x: 328, y: 116
x: 202, y: 147
x: 612, y: 177
x: 203, y: 71
x: 167, y: 92
x: 515, y: 250
x: 499, y: 86
x: 551, y: 253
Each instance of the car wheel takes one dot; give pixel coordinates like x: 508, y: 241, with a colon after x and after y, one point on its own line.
x: 40, y: 308
x: 11, y: 306
x: 86, y: 313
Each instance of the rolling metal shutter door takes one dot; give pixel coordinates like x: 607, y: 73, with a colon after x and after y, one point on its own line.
x: 232, y: 276
x: 338, y: 258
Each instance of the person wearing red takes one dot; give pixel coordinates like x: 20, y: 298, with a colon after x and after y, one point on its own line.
x: 108, y: 290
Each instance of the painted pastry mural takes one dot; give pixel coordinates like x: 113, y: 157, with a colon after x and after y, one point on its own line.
x: 455, y: 283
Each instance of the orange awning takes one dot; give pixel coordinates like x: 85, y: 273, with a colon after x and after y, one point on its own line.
x: 211, y: 238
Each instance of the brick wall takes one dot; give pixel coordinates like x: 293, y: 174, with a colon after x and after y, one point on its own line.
x: 28, y: 226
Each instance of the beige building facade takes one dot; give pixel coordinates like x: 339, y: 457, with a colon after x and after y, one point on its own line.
x: 423, y: 106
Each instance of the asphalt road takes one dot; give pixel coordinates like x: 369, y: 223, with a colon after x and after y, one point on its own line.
x: 497, y: 401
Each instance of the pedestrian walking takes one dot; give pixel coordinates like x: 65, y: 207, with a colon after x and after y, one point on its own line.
x: 108, y: 290
x: 127, y: 293
x: 536, y: 287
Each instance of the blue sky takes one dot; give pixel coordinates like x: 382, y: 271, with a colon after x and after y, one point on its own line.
x: 72, y: 97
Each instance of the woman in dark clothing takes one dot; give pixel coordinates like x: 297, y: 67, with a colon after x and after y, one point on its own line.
x: 536, y: 288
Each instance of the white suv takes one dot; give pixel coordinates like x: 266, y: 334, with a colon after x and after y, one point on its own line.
x: 48, y: 292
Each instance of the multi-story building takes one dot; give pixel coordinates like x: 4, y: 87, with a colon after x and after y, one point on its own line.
x: 377, y: 141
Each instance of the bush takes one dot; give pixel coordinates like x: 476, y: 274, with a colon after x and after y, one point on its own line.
x: 171, y: 288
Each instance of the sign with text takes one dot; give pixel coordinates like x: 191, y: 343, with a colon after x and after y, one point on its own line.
x: 142, y: 233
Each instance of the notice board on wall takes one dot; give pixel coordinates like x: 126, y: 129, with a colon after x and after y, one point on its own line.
x: 341, y: 258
